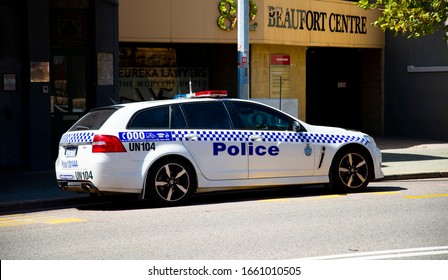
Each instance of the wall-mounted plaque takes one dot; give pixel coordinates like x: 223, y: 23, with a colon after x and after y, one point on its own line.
x: 279, y: 72
x: 9, y: 82
x: 105, y: 64
x: 40, y: 72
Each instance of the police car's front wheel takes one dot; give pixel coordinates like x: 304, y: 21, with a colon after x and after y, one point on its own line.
x: 351, y: 170
x: 170, y: 182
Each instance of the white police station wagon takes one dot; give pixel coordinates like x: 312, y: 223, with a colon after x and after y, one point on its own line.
x: 166, y: 150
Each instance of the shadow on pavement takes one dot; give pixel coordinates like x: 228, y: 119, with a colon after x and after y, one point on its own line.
x: 399, y: 157
x: 233, y: 196
x: 386, y: 143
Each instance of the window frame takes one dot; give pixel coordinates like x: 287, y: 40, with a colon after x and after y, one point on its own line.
x: 227, y: 115
x: 260, y: 107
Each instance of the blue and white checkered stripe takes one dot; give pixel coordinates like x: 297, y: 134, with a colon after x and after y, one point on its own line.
x: 238, y: 136
x: 213, y: 135
x: 234, y: 136
x: 77, y: 137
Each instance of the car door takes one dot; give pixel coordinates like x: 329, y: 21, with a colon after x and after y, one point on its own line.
x: 275, y: 149
x: 215, y: 146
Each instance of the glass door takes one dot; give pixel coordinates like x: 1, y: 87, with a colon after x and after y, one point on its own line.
x: 69, y: 84
x: 69, y: 92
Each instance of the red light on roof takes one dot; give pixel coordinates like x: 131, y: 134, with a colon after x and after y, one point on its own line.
x: 211, y: 93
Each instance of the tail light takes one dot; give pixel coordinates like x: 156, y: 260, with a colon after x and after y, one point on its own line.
x: 107, y: 144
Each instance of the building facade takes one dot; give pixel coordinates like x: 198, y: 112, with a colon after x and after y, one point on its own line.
x: 416, y: 86
x: 320, y: 59
x: 57, y: 61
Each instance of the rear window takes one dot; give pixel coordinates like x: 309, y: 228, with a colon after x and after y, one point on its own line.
x: 93, y: 120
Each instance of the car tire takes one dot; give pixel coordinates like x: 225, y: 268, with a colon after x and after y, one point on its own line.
x: 170, y: 182
x: 351, y: 170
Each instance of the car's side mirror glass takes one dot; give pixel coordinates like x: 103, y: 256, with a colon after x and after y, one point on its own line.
x: 296, y: 126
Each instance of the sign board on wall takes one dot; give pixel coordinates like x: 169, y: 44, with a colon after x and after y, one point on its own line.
x: 147, y: 73
x: 279, y: 74
x: 150, y: 83
x: 105, y: 69
x: 321, y: 23
x: 39, y: 72
x: 9, y: 82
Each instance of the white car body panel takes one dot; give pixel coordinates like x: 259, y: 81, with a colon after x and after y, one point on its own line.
x: 224, y: 167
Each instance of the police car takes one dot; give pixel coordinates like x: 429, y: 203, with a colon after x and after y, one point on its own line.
x: 166, y: 150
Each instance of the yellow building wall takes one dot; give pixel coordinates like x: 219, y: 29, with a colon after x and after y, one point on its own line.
x: 260, y: 71
x: 283, y: 27
x: 282, y: 22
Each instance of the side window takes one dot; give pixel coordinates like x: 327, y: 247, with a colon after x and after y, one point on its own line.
x: 207, y: 115
x: 258, y: 117
x: 151, y: 118
x: 177, y: 118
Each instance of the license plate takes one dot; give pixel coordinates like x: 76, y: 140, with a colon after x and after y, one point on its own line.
x: 71, y: 151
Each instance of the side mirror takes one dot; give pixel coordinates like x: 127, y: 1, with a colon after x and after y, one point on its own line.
x: 296, y: 126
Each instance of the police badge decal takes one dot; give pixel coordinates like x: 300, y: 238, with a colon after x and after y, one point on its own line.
x: 308, y: 150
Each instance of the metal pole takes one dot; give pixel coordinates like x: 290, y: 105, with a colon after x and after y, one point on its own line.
x: 280, y: 105
x: 243, y: 49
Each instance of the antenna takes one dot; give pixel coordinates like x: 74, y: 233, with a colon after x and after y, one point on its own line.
x: 189, y: 82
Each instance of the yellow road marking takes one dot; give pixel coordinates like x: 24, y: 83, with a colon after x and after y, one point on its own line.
x: 275, y: 200
x: 28, y: 219
x: 427, y: 196
x: 342, y: 195
x: 330, y: 196
x: 68, y: 220
x: 306, y: 197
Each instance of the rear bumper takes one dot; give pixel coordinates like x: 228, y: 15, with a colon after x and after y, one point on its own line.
x: 77, y: 186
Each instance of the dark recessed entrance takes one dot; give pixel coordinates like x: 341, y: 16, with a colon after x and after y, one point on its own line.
x: 333, y: 93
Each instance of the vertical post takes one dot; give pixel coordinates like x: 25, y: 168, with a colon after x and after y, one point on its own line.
x: 280, y: 105
x: 243, y: 49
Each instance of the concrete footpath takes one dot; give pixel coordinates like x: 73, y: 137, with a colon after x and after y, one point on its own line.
x: 402, y: 159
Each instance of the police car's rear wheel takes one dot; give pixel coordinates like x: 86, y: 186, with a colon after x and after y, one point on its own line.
x: 170, y: 182
x: 351, y: 170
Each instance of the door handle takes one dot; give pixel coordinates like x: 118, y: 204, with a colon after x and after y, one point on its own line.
x: 256, y: 138
x: 193, y: 137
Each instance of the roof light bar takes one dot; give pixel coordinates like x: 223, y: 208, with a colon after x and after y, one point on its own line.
x: 205, y: 93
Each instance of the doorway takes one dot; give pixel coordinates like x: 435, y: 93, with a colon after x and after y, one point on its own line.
x: 69, y: 92
x: 333, y: 87
x: 70, y: 64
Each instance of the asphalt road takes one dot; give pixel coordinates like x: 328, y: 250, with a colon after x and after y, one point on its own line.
x: 391, y: 220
